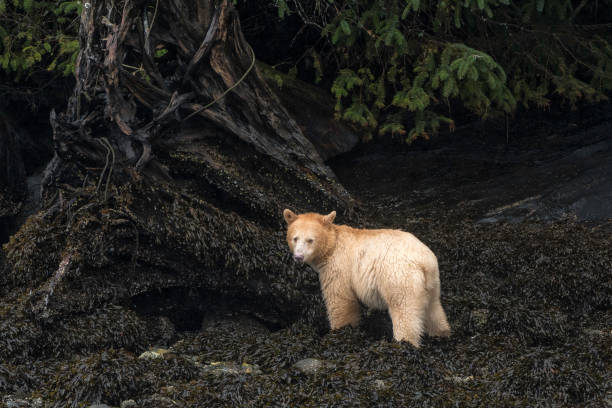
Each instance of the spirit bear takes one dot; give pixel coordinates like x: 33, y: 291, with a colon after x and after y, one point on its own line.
x: 383, y: 269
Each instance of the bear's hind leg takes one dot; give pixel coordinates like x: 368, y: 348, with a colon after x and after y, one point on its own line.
x: 436, y: 323
x: 407, y: 317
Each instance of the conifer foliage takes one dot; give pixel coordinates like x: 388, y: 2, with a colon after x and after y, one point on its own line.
x: 38, y: 35
x: 404, y: 66
x: 400, y: 67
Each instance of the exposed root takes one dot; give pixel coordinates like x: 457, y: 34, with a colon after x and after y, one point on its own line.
x: 64, y: 266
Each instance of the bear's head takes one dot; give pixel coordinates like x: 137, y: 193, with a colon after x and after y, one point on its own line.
x: 310, y: 235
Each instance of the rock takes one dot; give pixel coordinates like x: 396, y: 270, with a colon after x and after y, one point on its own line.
x: 128, y: 404
x: 155, y: 354
x: 542, y: 260
x: 457, y: 379
x: 218, y: 368
x: 596, y: 332
x: 13, y: 402
x: 166, y: 330
x: 479, y: 317
x: 311, y: 365
x: 381, y: 385
x: 608, y: 399
x: 160, y: 401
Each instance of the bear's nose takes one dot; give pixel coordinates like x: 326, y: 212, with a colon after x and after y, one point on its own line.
x: 299, y: 258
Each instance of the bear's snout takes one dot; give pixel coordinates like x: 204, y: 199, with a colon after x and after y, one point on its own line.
x: 299, y: 257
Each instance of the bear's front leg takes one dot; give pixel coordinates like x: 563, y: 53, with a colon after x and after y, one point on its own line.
x: 342, y: 311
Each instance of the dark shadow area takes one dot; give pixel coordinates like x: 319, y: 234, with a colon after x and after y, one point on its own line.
x: 195, y: 309
x: 547, y: 166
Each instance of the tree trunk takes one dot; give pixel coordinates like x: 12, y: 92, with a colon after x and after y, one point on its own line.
x: 173, y: 162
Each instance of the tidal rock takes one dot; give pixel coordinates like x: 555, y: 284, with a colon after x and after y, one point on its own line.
x: 128, y: 404
x: 479, y: 318
x: 381, y: 385
x: 311, y: 366
x: 218, y: 368
x: 154, y: 354
x: 12, y: 402
x: 457, y: 379
x: 160, y: 401
x: 597, y: 332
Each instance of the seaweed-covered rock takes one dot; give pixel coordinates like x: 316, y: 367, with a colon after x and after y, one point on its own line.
x: 529, y: 304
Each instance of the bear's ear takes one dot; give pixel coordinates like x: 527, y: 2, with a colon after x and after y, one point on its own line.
x: 289, y: 215
x: 329, y: 218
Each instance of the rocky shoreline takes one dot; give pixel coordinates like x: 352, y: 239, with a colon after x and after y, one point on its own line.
x: 526, y: 268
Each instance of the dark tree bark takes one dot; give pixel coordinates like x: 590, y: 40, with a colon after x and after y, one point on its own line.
x: 166, y: 190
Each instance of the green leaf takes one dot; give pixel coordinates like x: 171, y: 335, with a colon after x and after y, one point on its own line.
x: 481, y: 4
x: 458, y: 17
x: 345, y: 27
x: 283, y: 9
x: 2, y: 6
x: 435, y: 81
x: 53, y: 65
x: 540, y: 6
x: 316, y: 64
x: 463, y: 68
x: 492, y: 81
x: 359, y: 113
x: 336, y: 35
x: 27, y: 5
x: 450, y: 88
x: 393, y: 128
x: 472, y: 73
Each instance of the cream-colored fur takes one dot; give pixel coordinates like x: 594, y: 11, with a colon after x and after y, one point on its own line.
x: 383, y: 269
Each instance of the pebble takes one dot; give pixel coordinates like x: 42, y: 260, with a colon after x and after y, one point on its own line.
x: 218, y: 368
x: 153, y: 354
x: 310, y: 365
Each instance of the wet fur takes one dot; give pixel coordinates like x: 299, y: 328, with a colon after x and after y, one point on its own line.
x: 383, y: 269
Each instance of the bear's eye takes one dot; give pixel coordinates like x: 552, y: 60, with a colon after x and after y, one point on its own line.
x: 294, y: 239
x: 310, y: 240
